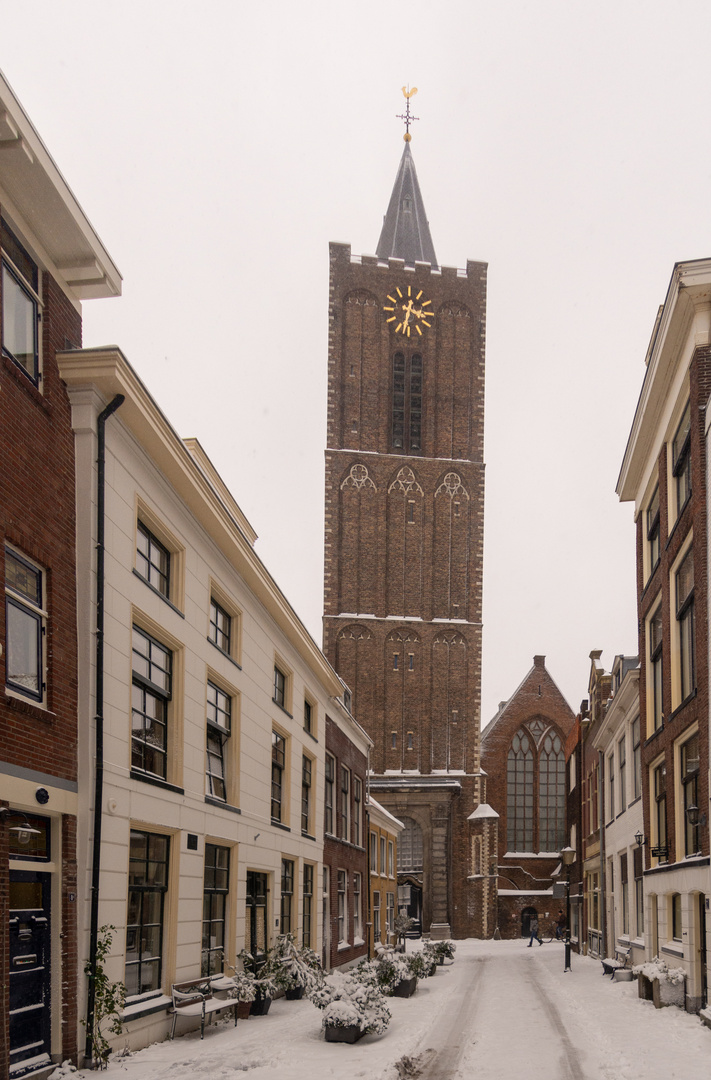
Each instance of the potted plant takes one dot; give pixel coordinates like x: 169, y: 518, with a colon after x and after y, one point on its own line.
x: 430, y: 957
x: 352, y: 1004
x: 664, y: 985
x: 396, y: 975
x: 403, y: 924
x: 260, y: 969
x: 244, y: 989
x: 296, y: 969
x: 445, y: 950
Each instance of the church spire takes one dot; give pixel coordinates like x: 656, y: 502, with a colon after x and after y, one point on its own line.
x: 406, y: 232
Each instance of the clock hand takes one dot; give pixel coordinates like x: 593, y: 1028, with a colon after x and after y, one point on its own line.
x: 409, y: 310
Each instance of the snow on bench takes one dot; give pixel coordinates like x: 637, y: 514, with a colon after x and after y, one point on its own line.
x: 194, y: 998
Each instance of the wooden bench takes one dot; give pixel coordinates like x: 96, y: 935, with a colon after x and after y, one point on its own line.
x: 618, y: 963
x: 195, y: 998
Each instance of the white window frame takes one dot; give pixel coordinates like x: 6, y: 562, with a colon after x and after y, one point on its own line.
x: 38, y: 614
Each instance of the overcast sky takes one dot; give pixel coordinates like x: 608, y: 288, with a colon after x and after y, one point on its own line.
x: 218, y: 147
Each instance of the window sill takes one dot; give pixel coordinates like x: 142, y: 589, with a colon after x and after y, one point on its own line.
x: 220, y: 651
x: 310, y: 735
x: 343, y: 945
x: 278, y: 825
x: 157, y: 592
x: 283, y: 709
x: 671, y: 949
x: 307, y: 835
x: 145, y: 1007
x: 689, y: 697
x: 654, y: 735
x: 156, y: 781
x: 212, y: 801
x: 29, y: 708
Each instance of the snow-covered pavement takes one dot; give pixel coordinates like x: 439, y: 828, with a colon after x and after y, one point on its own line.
x: 500, y: 1011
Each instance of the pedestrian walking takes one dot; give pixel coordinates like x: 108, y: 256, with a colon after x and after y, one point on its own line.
x: 533, y: 925
x: 560, y: 925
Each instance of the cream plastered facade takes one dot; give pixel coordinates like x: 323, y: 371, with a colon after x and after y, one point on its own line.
x: 172, y: 488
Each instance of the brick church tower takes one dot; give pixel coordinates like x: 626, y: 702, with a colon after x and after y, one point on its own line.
x: 404, y: 545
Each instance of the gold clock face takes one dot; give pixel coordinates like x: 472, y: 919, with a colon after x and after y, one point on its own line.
x: 408, y: 311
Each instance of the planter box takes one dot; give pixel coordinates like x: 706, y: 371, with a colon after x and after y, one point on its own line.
x: 645, y: 988
x: 243, y: 1009
x: 260, y: 1007
x: 669, y: 993
x: 406, y: 987
x: 623, y: 976
x: 294, y: 995
x: 349, y: 1033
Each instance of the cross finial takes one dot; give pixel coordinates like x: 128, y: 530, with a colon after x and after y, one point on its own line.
x: 407, y: 116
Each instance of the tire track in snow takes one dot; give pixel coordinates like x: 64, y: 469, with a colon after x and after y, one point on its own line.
x: 454, y: 1032
x: 571, y: 1063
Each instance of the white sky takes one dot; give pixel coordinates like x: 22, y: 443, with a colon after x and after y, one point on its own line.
x: 218, y: 147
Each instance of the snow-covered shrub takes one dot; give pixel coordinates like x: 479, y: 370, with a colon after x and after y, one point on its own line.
x: 441, y: 950
x: 658, y: 969
x: 353, y: 998
x: 294, y: 966
x: 244, y: 988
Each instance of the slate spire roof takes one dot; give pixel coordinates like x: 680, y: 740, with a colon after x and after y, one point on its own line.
x: 406, y: 232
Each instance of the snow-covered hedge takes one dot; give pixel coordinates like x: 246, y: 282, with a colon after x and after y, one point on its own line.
x: 353, y: 998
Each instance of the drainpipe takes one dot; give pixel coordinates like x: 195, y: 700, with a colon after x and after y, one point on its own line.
x: 98, y: 718
x: 603, y: 864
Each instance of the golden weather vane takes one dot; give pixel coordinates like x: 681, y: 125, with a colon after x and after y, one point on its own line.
x: 406, y: 116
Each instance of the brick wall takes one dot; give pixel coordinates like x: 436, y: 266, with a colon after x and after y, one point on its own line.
x: 661, y: 586
x: 37, y: 514
x: 341, y: 853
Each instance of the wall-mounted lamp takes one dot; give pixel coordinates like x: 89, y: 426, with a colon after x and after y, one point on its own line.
x: 639, y: 837
x: 694, y: 816
x: 23, y: 831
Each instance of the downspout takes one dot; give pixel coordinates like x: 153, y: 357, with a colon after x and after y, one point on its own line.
x: 98, y: 718
x: 603, y: 866
x: 369, y: 922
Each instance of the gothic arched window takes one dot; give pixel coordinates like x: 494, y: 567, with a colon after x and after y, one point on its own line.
x: 407, y: 402
x: 551, y: 793
x: 519, y: 794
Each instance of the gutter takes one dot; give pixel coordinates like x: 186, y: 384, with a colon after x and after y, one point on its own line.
x: 98, y: 719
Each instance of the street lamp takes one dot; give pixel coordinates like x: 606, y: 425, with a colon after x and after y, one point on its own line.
x: 568, y: 858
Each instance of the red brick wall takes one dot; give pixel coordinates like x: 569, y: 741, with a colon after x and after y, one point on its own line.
x: 695, y: 709
x: 340, y: 853
x: 37, y: 515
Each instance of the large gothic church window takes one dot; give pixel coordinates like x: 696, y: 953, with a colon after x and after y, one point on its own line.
x: 407, y: 403
x: 519, y: 797
x: 551, y: 793
x: 410, y: 851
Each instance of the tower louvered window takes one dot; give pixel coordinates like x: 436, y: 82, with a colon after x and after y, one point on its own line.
x: 407, y: 403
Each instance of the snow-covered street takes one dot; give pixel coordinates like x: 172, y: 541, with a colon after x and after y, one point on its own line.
x: 500, y: 1010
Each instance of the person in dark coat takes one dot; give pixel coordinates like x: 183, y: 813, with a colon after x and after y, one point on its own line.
x: 560, y: 924
x: 533, y: 925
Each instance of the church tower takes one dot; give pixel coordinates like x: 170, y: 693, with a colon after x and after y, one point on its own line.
x: 404, y: 543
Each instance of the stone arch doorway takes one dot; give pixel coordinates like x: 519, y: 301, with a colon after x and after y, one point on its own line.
x: 527, y: 914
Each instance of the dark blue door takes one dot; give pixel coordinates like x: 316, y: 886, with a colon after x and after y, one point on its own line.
x: 29, y: 970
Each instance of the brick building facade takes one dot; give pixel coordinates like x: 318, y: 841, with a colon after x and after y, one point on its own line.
x: 346, y: 892
x: 665, y: 473
x: 523, y: 759
x: 51, y: 261
x: 403, y: 536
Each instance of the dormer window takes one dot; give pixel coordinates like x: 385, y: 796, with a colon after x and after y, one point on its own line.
x: 407, y: 203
